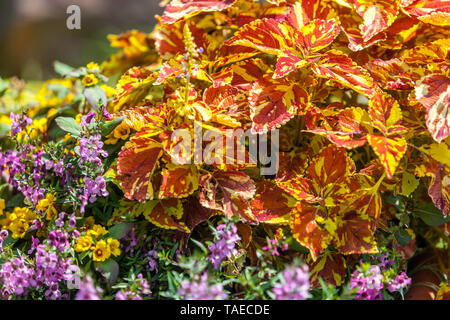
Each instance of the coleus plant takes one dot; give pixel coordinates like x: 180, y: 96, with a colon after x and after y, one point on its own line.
x: 358, y: 92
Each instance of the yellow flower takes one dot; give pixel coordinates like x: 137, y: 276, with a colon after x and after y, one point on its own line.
x: 2, y: 205
x: 78, y: 118
x: 122, y: 131
x: 18, y: 228
x: 114, y: 246
x: 5, y: 119
x: 101, y: 251
x: 97, y: 230
x: 92, y: 66
x: 46, y: 204
x: 38, y: 127
x: 51, y: 112
x: 90, y: 80
x: 83, y: 244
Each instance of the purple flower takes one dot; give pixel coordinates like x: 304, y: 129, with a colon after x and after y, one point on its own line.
x: 106, y: 114
x: 19, y: 122
x: 367, y: 283
x: 88, y: 291
x: 294, y: 284
x: 400, y: 282
x: 201, y: 290
x: 224, y: 246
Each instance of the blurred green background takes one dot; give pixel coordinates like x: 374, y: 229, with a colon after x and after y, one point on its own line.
x: 33, y: 33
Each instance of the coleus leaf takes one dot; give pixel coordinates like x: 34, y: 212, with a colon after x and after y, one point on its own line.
x: 435, y: 12
x: 270, y: 202
x: 354, y: 234
x: 265, y: 35
x: 273, y: 102
x: 326, y: 179
x: 330, y: 267
x: 307, y: 230
x: 377, y: 15
x: 178, y: 181
x: 309, y: 40
x: 135, y: 165
x: 390, y: 146
x: 337, y: 66
x: 183, y: 9
x: 165, y: 213
x: 433, y: 92
x: 229, y: 192
x: 132, y: 87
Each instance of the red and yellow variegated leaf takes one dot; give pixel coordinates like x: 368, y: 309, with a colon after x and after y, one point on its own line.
x: 178, y: 181
x: 315, y: 36
x: 439, y: 189
x: 438, y: 18
x: 326, y: 178
x: 348, y: 129
x: 300, y: 188
x: 328, y: 172
x: 132, y: 87
x: 385, y: 113
x: 330, y: 267
x: 390, y: 146
x: 366, y: 200
x: 135, y: 166
x: 184, y: 9
x: 275, y: 102
x: 304, y: 11
x: 165, y: 214
x: 435, y: 12
x: 229, y: 192
x: 390, y: 149
x: 354, y: 234
x: 270, y: 202
x: 289, y: 61
x: 377, y: 15
x: 340, y: 138
x: 433, y: 92
x: 390, y: 74
x: 145, y: 117
x: 228, y: 105
x: 310, y: 39
x: 242, y: 74
x: 350, y: 22
x: 291, y: 165
x: 307, y: 231
x: 339, y: 67
x: 136, y: 48
x: 266, y: 35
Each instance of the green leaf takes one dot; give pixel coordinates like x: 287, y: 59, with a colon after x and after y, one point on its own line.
x: 109, y: 269
x: 120, y: 230
x: 62, y: 68
x: 409, y: 184
x: 69, y: 125
x: 431, y: 215
x: 403, y: 237
x: 96, y: 97
x: 111, y: 125
x: 398, y: 202
x: 200, y: 245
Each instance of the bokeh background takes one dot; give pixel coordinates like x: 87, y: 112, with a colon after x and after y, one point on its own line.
x: 33, y: 33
